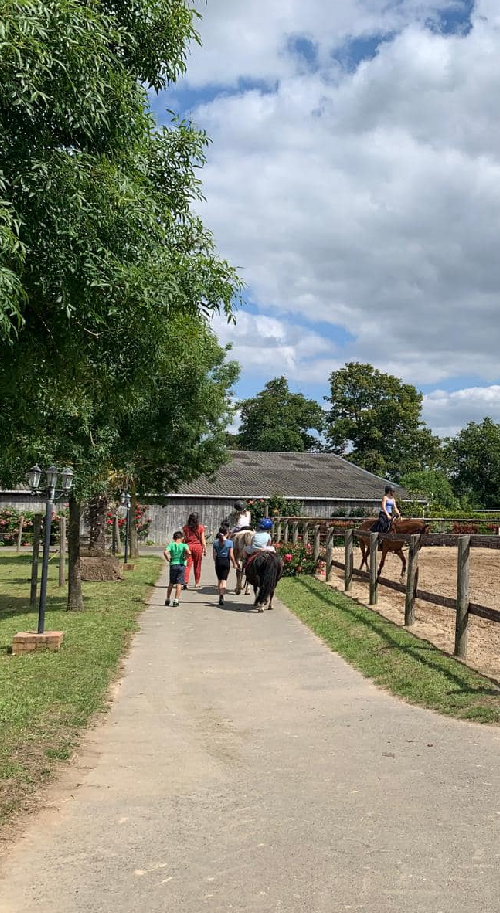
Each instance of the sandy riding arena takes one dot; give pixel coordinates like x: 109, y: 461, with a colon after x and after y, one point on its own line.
x: 438, y: 570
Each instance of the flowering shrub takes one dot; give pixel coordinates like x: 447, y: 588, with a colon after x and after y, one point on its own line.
x: 141, y: 521
x: 9, y: 526
x: 297, y: 559
x: 466, y: 529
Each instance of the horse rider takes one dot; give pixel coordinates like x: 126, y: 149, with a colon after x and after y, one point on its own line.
x: 240, y: 520
x: 388, y: 512
x: 261, y: 541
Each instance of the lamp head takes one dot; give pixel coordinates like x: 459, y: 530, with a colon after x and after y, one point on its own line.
x: 34, y: 475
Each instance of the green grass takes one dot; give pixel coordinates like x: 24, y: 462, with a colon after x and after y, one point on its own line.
x: 47, y: 698
x: 408, y: 667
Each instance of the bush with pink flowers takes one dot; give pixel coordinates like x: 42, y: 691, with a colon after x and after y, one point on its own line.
x: 297, y: 559
x: 9, y: 527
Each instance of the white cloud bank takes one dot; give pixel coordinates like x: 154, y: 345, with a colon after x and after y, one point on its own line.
x: 366, y: 199
x: 447, y: 412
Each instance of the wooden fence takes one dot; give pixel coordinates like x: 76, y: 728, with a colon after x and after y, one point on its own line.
x: 316, y: 534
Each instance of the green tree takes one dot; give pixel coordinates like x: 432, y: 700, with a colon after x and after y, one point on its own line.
x: 375, y: 421
x: 99, y: 246
x: 433, y: 485
x: 175, y: 429
x: 279, y: 420
x: 473, y: 462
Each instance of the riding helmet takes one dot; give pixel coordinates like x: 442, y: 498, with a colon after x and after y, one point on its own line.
x: 265, y: 523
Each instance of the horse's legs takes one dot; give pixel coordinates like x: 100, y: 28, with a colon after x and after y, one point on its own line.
x: 239, y: 578
x: 247, y: 587
x: 382, y: 560
x: 364, y: 553
x: 401, y: 555
x: 270, y: 606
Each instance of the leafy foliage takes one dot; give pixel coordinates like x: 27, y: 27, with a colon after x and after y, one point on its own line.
x: 375, y: 421
x: 277, y: 506
x: 433, y: 485
x: 473, y: 462
x: 100, y: 248
x: 175, y: 428
x: 279, y: 420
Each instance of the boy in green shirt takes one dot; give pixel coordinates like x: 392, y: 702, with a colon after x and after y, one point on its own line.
x: 176, y: 553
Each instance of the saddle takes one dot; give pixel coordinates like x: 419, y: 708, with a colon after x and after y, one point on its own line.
x: 254, y: 555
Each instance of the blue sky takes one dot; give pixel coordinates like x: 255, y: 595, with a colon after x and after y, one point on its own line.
x: 354, y: 178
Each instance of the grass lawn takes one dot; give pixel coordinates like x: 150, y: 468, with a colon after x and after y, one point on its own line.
x: 408, y: 667
x: 46, y: 698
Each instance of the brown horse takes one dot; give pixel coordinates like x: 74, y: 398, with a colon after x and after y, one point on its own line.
x: 406, y: 527
x: 240, y: 540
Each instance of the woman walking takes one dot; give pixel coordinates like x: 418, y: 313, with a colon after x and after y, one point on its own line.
x: 223, y: 557
x: 194, y: 537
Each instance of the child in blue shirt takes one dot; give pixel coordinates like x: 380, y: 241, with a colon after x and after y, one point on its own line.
x: 261, y: 541
x: 223, y: 557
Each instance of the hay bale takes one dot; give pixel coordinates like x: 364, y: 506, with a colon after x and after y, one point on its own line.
x: 101, y: 569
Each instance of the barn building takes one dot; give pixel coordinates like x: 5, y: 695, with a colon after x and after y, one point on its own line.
x: 324, y: 483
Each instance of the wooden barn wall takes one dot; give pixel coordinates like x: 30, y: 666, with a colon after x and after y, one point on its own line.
x: 212, y: 511
x: 166, y: 519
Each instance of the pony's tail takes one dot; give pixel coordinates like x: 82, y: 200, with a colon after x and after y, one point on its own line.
x: 270, y: 576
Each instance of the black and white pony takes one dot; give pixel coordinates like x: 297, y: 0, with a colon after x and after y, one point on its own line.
x: 263, y: 573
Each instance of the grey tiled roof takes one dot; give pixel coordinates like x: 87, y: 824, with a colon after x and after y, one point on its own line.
x: 294, y: 475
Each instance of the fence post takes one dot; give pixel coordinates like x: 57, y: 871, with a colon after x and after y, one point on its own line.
x: 349, y: 559
x: 62, y: 551
x: 329, y: 555
x: 278, y: 532
x: 373, y: 568
x: 463, y: 598
x: 317, y: 541
x: 295, y: 532
x: 305, y: 534
x: 411, y: 580
x: 37, y: 528
x: 286, y: 533
x: 20, y: 533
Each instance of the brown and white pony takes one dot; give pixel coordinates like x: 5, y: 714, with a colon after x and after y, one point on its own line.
x: 240, y: 540
x: 406, y: 527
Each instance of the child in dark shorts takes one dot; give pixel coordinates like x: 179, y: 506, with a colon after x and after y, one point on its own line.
x: 176, y: 553
x: 223, y: 557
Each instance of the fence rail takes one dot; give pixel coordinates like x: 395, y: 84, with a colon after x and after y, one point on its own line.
x: 287, y: 529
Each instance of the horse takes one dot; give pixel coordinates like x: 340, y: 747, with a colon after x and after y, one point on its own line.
x: 408, y: 527
x: 263, y: 572
x: 240, y: 540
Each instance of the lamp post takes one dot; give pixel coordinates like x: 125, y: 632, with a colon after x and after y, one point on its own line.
x: 52, y: 492
x: 126, y: 501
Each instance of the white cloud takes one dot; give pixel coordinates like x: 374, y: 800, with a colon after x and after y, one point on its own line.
x: 250, y: 40
x: 268, y: 347
x: 368, y: 199
x: 447, y: 412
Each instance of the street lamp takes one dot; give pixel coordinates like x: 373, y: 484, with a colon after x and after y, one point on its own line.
x: 52, y: 493
x: 126, y: 501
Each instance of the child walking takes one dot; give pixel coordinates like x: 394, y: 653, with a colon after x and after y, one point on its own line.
x: 176, y: 553
x: 223, y: 557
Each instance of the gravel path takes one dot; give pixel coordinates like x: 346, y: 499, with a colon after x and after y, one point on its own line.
x: 243, y: 767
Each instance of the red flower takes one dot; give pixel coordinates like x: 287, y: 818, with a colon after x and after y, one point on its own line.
x: 287, y: 557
